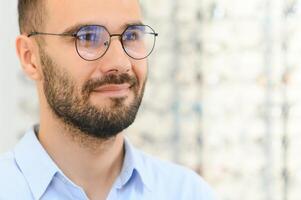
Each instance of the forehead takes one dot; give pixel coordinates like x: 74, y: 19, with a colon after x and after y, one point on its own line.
x: 113, y: 14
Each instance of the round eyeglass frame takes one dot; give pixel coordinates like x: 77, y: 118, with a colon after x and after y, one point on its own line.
x: 110, y: 36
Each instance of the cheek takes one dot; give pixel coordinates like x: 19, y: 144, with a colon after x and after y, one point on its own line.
x: 77, y: 69
x: 66, y: 56
x: 140, y: 70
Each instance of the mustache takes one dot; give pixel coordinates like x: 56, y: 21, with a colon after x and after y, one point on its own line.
x: 91, y: 85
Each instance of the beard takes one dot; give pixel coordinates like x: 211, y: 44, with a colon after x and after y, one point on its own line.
x: 75, y: 110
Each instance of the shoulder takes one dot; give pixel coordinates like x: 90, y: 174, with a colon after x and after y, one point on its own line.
x: 12, y: 182
x: 181, y: 181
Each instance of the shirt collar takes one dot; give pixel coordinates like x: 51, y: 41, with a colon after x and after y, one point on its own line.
x: 35, y: 164
x: 134, y: 162
x: 39, y: 169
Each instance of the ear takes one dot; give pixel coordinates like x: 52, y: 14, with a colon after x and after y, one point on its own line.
x: 27, y: 52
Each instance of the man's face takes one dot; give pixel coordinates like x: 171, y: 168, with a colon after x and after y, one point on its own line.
x: 102, y: 97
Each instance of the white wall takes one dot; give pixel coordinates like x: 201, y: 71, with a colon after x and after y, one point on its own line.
x: 9, y: 68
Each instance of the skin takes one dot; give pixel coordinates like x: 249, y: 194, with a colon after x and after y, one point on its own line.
x: 91, y: 163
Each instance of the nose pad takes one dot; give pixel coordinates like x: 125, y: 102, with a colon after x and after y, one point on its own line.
x: 106, y: 43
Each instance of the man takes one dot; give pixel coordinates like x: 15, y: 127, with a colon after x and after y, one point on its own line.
x: 88, y: 60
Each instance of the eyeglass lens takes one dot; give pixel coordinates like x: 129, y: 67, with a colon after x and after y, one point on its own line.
x: 94, y: 40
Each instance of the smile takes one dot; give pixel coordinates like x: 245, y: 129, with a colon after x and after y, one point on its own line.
x: 113, y: 90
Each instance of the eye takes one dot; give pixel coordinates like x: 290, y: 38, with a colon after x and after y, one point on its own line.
x: 90, y: 37
x: 132, y: 35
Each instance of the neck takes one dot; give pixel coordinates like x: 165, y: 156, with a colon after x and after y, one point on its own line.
x: 89, y: 162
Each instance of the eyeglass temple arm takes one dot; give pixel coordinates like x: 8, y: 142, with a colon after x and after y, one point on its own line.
x: 56, y: 34
x: 155, y: 34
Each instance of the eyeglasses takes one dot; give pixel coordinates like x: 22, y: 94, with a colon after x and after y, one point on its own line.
x: 93, y: 41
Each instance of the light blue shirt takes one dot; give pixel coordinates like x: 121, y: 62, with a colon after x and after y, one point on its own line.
x: 28, y: 173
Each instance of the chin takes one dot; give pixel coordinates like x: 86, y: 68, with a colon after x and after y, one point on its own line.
x: 111, y: 101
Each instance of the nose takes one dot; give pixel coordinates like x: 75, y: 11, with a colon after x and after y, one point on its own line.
x: 115, y: 60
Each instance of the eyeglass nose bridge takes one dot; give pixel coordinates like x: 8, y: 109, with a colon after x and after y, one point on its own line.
x: 116, y: 35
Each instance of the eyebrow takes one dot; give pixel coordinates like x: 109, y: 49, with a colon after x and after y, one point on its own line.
x: 72, y: 29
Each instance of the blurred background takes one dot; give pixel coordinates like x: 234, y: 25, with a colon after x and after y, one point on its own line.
x: 223, y: 94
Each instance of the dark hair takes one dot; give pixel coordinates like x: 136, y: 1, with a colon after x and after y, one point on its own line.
x: 31, y: 15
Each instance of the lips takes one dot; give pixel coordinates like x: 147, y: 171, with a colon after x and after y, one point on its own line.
x: 113, y: 90
x: 112, y: 87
